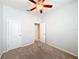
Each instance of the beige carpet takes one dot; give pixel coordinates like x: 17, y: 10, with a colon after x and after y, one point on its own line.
x: 32, y: 52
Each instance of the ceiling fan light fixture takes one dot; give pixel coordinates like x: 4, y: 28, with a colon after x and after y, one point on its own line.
x: 39, y: 6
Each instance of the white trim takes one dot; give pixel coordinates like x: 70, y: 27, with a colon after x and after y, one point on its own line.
x: 64, y: 50
x: 26, y: 44
x: 2, y: 53
x: 51, y: 45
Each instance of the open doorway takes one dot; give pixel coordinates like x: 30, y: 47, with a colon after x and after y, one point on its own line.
x: 40, y: 32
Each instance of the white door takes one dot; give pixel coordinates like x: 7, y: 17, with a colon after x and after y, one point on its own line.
x: 14, y: 34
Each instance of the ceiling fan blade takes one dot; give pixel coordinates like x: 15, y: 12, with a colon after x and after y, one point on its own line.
x: 48, y: 6
x: 41, y: 11
x: 33, y: 9
x: 41, y: 0
x: 32, y: 1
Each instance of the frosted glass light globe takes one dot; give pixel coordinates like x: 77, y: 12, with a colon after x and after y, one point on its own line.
x: 39, y: 6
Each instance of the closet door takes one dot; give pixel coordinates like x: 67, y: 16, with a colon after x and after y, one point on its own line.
x: 14, y: 34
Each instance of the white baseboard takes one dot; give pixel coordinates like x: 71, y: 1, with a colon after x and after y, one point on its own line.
x: 2, y: 53
x: 64, y: 50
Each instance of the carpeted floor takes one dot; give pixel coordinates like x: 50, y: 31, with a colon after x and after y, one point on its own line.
x: 32, y: 52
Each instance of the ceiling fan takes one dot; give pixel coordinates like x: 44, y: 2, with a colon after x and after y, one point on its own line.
x: 39, y: 5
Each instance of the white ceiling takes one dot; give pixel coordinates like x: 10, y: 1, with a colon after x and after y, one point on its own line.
x: 25, y: 4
